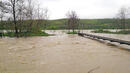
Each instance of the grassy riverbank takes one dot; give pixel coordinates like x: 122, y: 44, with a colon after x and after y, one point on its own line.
x: 24, y: 34
x: 72, y: 32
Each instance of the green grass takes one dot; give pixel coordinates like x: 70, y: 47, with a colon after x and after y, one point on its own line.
x: 124, y: 32
x: 88, y: 24
x: 101, y: 31
x: 37, y: 34
x: 9, y: 34
x: 72, y: 33
x: 109, y: 32
x: 25, y: 34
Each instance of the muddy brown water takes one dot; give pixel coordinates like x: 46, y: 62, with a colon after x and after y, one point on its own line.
x: 61, y: 54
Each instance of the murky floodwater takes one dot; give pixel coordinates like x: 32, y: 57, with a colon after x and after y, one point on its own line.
x: 61, y: 54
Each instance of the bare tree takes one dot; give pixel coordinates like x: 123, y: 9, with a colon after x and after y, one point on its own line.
x: 12, y: 9
x: 46, y: 17
x: 73, y: 20
x: 3, y: 10
x: 1, y: 14
x: 122, y: 16
x: 42, y: 17
x: 39, y: 17
x: 116, y: 22
x: 21, y: 14
x: 29, y: 14
x: 13, y: 6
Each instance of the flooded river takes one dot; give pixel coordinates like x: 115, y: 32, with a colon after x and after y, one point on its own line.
x: 61, y: 53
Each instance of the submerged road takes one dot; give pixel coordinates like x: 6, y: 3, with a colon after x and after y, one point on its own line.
x: 61, y: 54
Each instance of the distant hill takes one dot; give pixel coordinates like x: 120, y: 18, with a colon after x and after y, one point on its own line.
x: 88, y: 24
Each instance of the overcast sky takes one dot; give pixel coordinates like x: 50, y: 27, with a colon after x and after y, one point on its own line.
x: 84, y: 8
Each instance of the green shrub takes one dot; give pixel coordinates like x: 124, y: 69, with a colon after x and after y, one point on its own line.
x: 72, y: 33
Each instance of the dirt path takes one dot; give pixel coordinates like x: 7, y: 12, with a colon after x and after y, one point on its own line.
x: 61, y: 54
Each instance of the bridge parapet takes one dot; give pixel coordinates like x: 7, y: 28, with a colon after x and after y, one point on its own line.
x: 104, y: 38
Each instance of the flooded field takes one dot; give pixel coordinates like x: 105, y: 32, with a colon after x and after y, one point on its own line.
x: 61, y: 53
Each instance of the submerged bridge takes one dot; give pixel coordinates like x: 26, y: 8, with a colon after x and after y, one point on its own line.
x: 104, y: 38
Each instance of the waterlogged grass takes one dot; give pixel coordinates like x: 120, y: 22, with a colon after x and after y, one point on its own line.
x: 72, y: 33
x: 124, y: 32
x: 24, y: 34
x: 101, y: 31
x: 109, y: 32
x: 38, y: 34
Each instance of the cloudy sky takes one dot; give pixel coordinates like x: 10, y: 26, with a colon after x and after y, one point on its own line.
x: 84, y: 8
